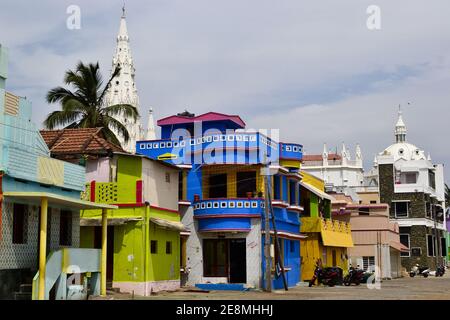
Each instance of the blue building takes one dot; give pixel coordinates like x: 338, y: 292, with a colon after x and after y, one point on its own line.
x: 222, y: 198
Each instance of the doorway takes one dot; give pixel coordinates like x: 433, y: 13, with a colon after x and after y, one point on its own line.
x: 238, y: 261
x: 333, y: 255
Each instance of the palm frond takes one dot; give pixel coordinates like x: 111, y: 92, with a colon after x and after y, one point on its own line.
x: 126, y: 110
x: 61, y: 118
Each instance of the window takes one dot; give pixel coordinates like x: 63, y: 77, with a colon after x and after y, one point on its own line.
x: 168, y: 177
x: 373, y: 201
x: 65, y: 228
x: 430, y: 245
x: 404, y: 240
x: 215, y: 258
x: 277, y: 187
x: 409, y: 178
x: 291, y: 246
x: 428, y: 209
x: 279, y: 255
x: 218, y: 186
x: 364, y: 211
x: 416, y: 252
x: 401, y: 209
x: 245, y: 182
x: 368, y: 263
x: 153, y: 246
x: 20, y: 224
x: 292, y: 198
x: 168, y: 247
x: 431, y: 179
x: 443, y: 247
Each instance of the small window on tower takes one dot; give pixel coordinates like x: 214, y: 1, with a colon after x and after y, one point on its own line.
x: 117, y: 82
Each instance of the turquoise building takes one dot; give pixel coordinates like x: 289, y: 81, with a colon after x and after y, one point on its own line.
x: 39, y: 207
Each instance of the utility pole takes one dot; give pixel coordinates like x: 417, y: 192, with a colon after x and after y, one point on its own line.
x: 274, y: 225
x: 268, y: 275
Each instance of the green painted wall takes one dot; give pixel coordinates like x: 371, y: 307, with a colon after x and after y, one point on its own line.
x: 164, y: 266
x: 129, y: 170
x: 314, y: 205
x: 130, y: 245
x: 129, y: 251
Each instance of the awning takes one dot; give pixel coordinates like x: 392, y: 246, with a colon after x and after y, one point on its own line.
x: 336, y: 239
x: 55, y: 199
x: 398, y: 246
x: 168, y: 224
x: 95, y: 222
x: 317, y: 192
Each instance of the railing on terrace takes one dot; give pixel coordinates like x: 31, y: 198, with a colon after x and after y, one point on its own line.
x: 244, y: 206
x: 336, y: 225
x: 113, y: 192
x: 247, y: 146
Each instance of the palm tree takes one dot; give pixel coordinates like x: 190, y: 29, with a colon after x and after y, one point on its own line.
x: 85, y: 107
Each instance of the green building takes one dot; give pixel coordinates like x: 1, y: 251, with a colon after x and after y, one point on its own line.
x: 143, y: 234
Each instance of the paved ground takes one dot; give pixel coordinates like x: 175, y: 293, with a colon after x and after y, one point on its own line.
x: 431, y: 288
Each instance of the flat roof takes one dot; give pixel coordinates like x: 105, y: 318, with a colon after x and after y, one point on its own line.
x: 56, y: 199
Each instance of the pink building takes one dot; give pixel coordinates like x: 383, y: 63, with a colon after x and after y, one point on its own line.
x: 376, y: 239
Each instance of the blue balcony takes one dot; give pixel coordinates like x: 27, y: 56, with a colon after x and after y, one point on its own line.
x: 219, y: 215
x: 236, y: 148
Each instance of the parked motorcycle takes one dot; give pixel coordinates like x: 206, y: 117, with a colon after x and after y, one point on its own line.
x: 326, y: 276
x: 355, y: 275
x: 419, y: 271
x: 440, y: 271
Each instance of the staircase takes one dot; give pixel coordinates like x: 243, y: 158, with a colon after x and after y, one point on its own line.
x: 60, y: 265
x: 24, y: 293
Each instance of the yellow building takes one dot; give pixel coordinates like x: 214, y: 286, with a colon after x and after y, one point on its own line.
x: 326, y: 239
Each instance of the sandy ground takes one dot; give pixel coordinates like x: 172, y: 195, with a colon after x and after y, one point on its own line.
x: 430, y: 288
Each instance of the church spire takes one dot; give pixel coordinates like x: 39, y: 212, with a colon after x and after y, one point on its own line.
x: 400, y: 128
x: 123, y: 87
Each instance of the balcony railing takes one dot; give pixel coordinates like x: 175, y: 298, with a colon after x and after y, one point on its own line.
x: 239, y: 147
x: 312, y: 224
x: 113, y: 192
x: 238, y: 207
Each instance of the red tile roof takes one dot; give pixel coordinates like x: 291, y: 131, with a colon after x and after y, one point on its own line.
x: 318, y: 157
x: 85, y: 141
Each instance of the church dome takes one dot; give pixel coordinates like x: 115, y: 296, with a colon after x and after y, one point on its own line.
x: 402, y: 149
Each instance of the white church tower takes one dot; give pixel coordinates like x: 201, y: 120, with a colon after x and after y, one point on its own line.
x: 123, y: 88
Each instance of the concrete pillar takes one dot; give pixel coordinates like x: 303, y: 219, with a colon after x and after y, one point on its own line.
x: 42, y: 248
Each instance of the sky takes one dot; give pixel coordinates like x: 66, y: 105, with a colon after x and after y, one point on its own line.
x: 312, y: 69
